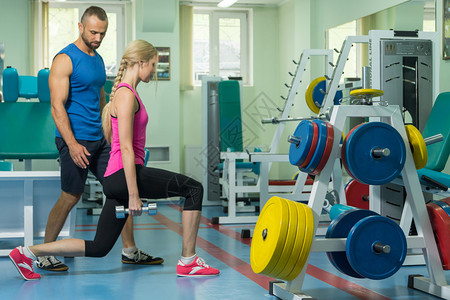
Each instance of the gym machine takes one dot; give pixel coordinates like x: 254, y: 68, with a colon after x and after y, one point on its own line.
x: 264, y: 158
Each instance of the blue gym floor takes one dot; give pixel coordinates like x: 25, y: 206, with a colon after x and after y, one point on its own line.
x: 220, y: 245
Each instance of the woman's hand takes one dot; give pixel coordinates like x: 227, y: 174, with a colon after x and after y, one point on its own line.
x: 134, y: 206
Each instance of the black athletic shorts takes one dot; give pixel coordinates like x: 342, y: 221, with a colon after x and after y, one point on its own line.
x: 73, y: 178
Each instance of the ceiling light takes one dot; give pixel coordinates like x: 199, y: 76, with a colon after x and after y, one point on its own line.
x: 226, y: 3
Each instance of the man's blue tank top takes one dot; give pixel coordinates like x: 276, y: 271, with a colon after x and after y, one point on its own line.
x: 83, y: 101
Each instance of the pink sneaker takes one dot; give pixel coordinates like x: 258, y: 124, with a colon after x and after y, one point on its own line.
x: 23, y: 264
x: 196, y: 269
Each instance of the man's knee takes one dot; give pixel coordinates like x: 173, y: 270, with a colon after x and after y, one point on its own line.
x: 69, y: 200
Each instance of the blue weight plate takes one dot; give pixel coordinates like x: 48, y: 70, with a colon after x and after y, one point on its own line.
x: 361, y: 255
x: 320, y: 148
x: 298, y: 153
x: 444, y: 206
x: 318, y: 95
x: 337, y: 98
x: 358, y: 155
x: 339, y: 228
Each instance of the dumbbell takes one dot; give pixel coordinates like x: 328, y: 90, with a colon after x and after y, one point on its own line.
x: 148, y: 208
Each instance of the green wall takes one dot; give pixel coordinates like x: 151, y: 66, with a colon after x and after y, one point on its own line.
x: 162, y: 99
x: 15, y: 33
x: 280, y: 34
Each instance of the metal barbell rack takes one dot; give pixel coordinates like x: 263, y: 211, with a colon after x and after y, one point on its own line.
x: 415, y: 207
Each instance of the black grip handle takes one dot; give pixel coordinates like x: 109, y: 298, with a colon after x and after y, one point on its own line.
x: 434, y: 183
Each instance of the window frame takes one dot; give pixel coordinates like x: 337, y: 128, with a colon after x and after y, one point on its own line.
x: 358, y: 55
x: 246, y: 41
x: 118, y: 8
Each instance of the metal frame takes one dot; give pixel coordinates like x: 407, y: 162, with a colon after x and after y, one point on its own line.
x: 333, y: 82
x: 229, y: 185
x: 204, y: 152
x: 375, y: 37
x: 414, y: 206
x: 29, y: 179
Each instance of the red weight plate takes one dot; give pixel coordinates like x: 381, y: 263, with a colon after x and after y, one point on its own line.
x: 313, y: 146
x: 282, y: 182
x: 440, y: 222
x: 357, y: 194
x: 327, y: 151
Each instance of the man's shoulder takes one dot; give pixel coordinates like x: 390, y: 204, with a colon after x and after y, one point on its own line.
x: 64, y: 54
x: 67, y: 49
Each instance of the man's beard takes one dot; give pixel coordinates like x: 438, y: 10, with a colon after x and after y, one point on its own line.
x: 89, y: 44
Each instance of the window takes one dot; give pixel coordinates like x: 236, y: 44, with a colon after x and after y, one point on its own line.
x: 221, y: 44
x: 63, y: 30
x: 335, y: 39
x: 429, y: 16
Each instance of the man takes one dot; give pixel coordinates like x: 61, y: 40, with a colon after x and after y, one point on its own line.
x: 76, y: 84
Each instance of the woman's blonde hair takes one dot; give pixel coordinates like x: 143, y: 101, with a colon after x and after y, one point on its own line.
x: 136, y: 51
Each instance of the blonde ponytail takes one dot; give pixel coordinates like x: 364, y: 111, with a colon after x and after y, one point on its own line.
x: 106, y: 115
x: 137, y: 50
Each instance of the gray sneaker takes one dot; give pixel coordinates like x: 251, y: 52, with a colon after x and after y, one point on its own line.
x: 51, y: 263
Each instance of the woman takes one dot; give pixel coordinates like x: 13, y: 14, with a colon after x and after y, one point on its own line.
x: 127, y: 179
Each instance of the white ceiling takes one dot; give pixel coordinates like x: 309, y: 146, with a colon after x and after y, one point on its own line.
x: 238, y: 3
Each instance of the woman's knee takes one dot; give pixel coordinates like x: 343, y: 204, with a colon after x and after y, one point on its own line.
x: 193, y: 195
x: 95, y: 250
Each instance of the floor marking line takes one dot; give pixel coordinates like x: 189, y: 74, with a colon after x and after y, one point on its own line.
x: 327, y: 277
x: 227, y: 258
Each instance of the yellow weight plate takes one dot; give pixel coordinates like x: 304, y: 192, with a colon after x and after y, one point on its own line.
x: 309, y: 235
x: 269, y: 235
x: 290, y: 239
x: 298, y: 244
x: 366, y: 93
x: 309, y: 94
x: 418, y: 146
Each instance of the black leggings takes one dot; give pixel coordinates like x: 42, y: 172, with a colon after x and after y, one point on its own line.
x: 152, y: 184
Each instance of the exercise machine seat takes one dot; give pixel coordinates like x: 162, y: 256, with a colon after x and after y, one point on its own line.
x: 43, y: 89
x: 231, y: 138
x: 230, y: 116
x: 438, y: 122
x: 6, y: 165
x: 10, y: 84
x: 435, y: 175
x: 28, y: 131
x: 28, y: 87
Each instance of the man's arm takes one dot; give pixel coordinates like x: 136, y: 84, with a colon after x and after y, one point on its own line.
x: 59, y: 81
x: 102, y: 100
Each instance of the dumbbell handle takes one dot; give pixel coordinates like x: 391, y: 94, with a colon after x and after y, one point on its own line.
x: 149, y: 209
x: 433, y: 139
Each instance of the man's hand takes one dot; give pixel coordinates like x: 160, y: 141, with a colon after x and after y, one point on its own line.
x: 79, y: 155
